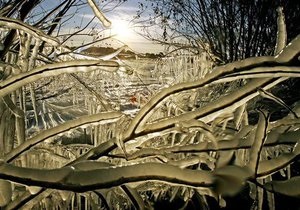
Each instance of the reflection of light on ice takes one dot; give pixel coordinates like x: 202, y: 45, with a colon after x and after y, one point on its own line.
x: 131, y: 112
x: 123, y: 71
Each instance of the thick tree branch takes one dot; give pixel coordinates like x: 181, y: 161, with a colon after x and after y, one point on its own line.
x: 69, y: 178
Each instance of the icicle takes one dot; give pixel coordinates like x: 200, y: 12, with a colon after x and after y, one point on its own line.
x: 20, y: 130
x: 260, y: 197
x: 96, y: 137
x: 64, y: 194
x: 24, y: 104
x: 44, y: 122
x: 9, y: 140
x: 78, y: 200
x: 34, y: 54
x: 33, y: 100
x: 270, y: 195
x: 173, y: 136
x: 85, y: 102
x: 74, y: 98
x: 3, y: 127
x: 73, y: 201
x: 238, y: 116
x: 86, y: 203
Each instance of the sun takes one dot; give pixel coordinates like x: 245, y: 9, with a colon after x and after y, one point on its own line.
x: 121, y: 29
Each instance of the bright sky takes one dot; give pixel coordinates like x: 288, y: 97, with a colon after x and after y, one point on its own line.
x: 121, y: 27
x: 126, y: 31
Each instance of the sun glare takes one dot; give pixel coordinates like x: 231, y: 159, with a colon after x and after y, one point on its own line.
x: 121, y: 29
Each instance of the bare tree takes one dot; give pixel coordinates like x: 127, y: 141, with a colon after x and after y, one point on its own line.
x: 233, y: 29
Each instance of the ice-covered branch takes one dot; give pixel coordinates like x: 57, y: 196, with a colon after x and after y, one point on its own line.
x: 273, y: 138
x: 99, y: 14
x: 262, y: 72
x: 38, y: 34
x: 288, y: 187
x: 290, y: 52
x: 15, y: 82
x: 273, y: 165
x: 43, y: 135
x: 259, y: 139
x: 209, y: 112
x: 69, y: 178
x: 14, y: 109
x: 226, y: 104
x: 281, y: 31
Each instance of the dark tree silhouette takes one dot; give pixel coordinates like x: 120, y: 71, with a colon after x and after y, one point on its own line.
x: 233, y: 30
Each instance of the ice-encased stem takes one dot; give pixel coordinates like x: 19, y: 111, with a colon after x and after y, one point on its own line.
x: 43, y: 135
x: 99, y: 14
x: 38, y: 34
x: 260, y: 137
x: 68, y: 178
x: 281, y: 31
x: 15, y: 82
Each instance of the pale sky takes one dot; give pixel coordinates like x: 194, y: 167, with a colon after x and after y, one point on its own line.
x: 121, y: 27
x: 125, y: 30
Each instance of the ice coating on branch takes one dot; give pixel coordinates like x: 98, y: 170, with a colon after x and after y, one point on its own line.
x: 55, y: 69
x: 5, y: 192
x: 271, y: 166
x: 260, y: 136
x: 99, y: 14
x: 91, y: 165
x: 67, y: 178
x: 17, y: 24
x: 85, y: 120
x: 270, y: 96
x: 288, y: 187
x: 281, y: 31
x: 290, y: 51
